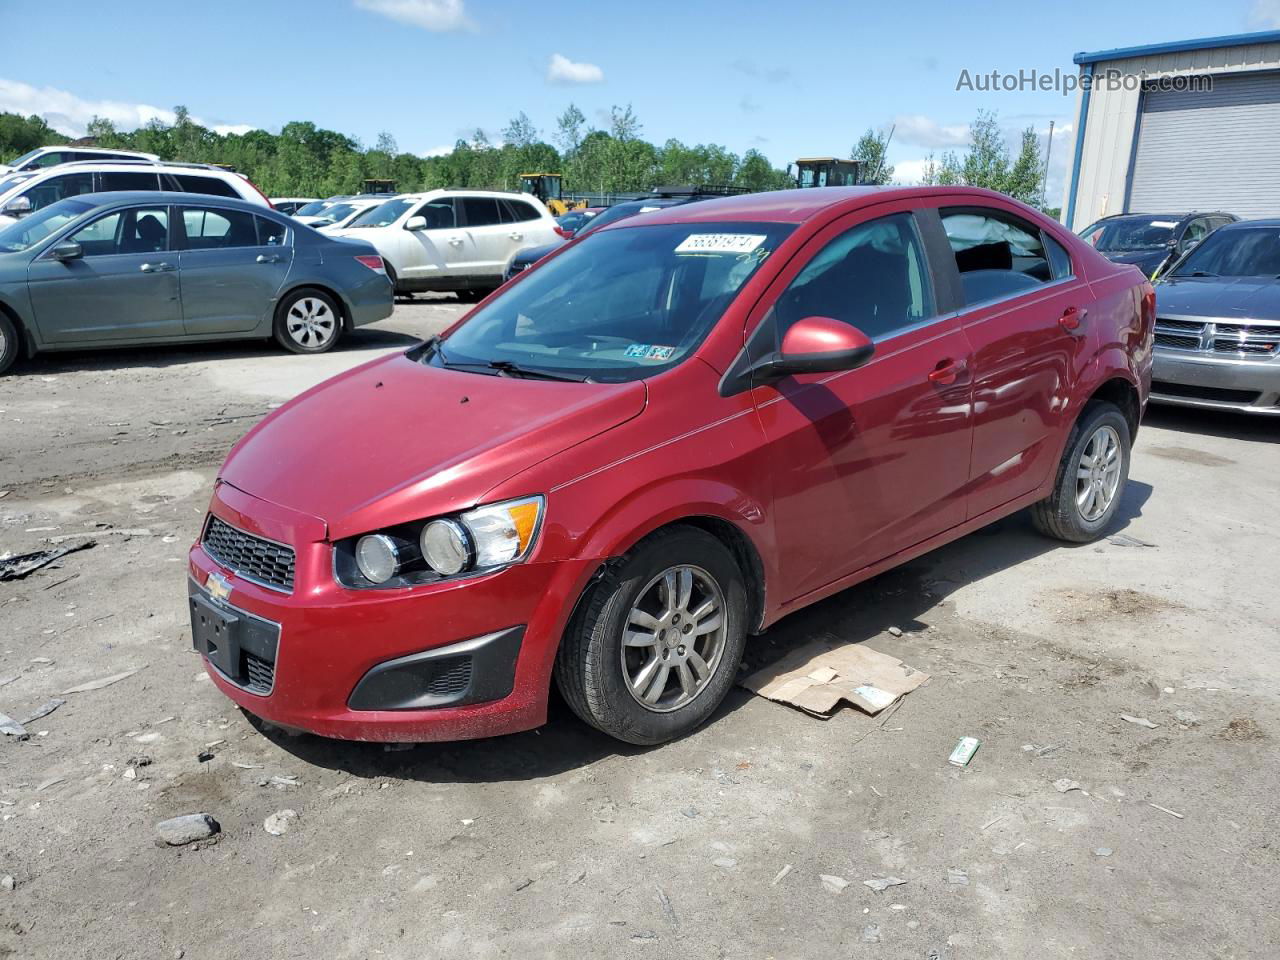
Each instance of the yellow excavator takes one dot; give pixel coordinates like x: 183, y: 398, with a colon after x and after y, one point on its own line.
x: 547, y: 188
x: 826, y: 172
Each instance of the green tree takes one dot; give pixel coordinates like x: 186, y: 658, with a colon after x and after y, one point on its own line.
x: 1026, y: 176
x: 571, y: 127
x: 623, y: 123
x: 520, y: 132
x: 870, y: 150
x: 986, y: 162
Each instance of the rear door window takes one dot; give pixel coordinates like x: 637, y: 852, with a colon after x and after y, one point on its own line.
x: 270, y: 233
x: 517, y: 211
x: 480, y: 211
x: 999, y: 255
x: 209, y: 228
x: 214, y: 187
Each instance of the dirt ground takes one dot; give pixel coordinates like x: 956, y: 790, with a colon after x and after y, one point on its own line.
x: 563, y: 843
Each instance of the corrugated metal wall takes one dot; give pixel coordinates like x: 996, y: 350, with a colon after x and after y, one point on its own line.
x: 1113, y: 114
x: 1216, y: 150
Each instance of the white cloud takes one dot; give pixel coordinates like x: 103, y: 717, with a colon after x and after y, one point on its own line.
x: 226, y: 129
x: 440, y: 151
x: 1265, y: 14
x: 70, y: 114
x: 562, y: 70
x: 908, y: 172
x: 922, y: 131
x: 439, y: 16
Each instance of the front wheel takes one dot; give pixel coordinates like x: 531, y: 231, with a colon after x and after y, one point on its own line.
x: 308, y: 321
x: 1091, y: 477
x: 657, y: 641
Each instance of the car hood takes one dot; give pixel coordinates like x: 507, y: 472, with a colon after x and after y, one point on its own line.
x: 533, y: 254
x: 395, y: 440
x: 1231, y: 298
x: 1144, y: 260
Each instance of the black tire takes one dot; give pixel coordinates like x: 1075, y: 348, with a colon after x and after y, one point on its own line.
x: 321, y: 328
x: 471, y: 295
x: 1060, y: 515
x: 590, y: 663
x: 10, y: 345
x: 391, y: 275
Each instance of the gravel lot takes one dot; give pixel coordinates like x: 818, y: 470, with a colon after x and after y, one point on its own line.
x: 564, y: 843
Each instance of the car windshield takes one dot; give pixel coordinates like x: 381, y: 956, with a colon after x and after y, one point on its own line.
x: 1129, y: 234
x: 313, y: 208
x: 339, y: 211
x: 620, y: 306
x: 615, y: 213
x: 384, y: 214
x: 10, y: 182
x: 25, y: 158
x: 31, y: 230
x: 1238, y: 252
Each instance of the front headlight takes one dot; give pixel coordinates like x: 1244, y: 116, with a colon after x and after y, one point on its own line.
x: 478, y: 541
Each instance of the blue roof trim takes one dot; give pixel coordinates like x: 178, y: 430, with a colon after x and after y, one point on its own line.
x: 1180, y: 46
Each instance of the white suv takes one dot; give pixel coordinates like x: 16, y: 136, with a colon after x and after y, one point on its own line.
x: 24, y: 193
x: 452, y: 239
x: 44, y: 157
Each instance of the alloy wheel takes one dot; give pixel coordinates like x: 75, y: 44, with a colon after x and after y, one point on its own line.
x: 1098, y: 474
x: 674, y: 638
x: 311, y: 323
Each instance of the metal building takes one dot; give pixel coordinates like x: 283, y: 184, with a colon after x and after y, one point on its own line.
x: 1177, y: 127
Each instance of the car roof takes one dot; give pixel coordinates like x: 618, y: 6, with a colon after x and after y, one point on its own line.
x: 108, y: 198
x: 798, y: 205
x: 1269, y: 222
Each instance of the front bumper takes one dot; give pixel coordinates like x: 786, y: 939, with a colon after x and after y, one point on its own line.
x: 1193, y: 379
x: 448, y: 661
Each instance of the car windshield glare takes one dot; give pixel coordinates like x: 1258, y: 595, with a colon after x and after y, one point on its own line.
x: 25, y: 158
x: 29, y: 231
x: 337, y: 212
x: 1237, y: 252
x: 1130, y: 234
x: 384, y: 214
x: 621, y: 305
x: 314, y: 208
x: 12, y: 181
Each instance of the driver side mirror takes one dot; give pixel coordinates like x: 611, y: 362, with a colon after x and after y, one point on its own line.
x: 416, y: 223
x: 66, y: 250
x: 18, y: 207
x: 810, y: 345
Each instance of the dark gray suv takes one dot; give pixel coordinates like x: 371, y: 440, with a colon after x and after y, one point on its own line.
x: 126, y: 269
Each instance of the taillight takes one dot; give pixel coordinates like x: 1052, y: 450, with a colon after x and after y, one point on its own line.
x: 374, y: 263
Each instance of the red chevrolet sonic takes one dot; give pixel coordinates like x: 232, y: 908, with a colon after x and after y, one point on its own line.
x: 662, y: 439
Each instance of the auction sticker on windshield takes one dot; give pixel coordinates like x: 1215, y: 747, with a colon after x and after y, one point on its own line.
x: 720, y: 243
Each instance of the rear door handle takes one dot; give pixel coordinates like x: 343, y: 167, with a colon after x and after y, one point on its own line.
x: 947, y: 371
x: 516, y: 236
x: 1071, y: 319
x: 156, y: 267
x: 263, y: 258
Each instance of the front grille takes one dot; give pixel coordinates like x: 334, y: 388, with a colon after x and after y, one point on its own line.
x: 1192, y: 392
x: 1254, y: 340
x: 250, y: 557
x: 1176, y: 341
x: 260, y: 674
x: 451, y: 677
x: 1192, y: 326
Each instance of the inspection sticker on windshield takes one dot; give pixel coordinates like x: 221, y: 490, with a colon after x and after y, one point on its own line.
x: 720, y: 243
x: 645, y: 351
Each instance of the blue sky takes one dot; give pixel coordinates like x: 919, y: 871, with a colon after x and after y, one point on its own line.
x: 788, y: 79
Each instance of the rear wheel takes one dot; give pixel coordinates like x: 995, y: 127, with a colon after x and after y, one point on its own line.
x: 8, y: 343
x: 308, y: 321
x: 1091, y: 477
x: 656, y: 643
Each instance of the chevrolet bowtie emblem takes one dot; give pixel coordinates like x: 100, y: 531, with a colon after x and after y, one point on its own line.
x: 218, y: 586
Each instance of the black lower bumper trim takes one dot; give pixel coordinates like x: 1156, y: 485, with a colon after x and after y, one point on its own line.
x: 473, y: 671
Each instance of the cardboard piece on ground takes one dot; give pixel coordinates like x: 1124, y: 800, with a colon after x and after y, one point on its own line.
x: 817, y: 676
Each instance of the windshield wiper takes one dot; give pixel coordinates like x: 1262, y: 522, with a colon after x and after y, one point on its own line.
x: 510, y: 369
x: 1202, y: 273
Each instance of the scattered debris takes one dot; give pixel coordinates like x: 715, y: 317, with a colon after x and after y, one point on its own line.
x: 179, y: 831
x: 99, y: 684
x: 725, y: 863
x: 1172, y: 813
x: 246, y: 766
x: 278, y: 823
x: 526, y: 882
x: 690, y: 812
x: 1187, y: 718
x: 284, y: 783
x: 834, y: 884
x: 871, y: 933
x: 22, y: 564
x: 12, y: 728
x: 1124, y: 540
x: 1241, y: 730
x: 881, y: 884
x: 139, y: 532
x: 7, y: 883
x: 1139, y: 721
x: 668, y: 911
x: 1064, y: 785
x: 44, y: 710
x: 51, y: 782
x: 964, y: 751
x: 1102, y: 852
x: 818, y: 676
x: 895, y: 631
x: 957, y: 877
x: 5, y: 681
x: 204, y: 756
x: 992, y: 823
x: 780, y: 875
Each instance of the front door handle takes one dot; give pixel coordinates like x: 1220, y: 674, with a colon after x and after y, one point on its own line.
x: 456, y: 241
x: 156, y: 267
x: 263, y: 258
x: 1071, y: 319
x: 516, y: 236
x: 946, y: 372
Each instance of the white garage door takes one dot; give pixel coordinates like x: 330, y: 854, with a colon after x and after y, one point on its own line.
x: 1215, y: 150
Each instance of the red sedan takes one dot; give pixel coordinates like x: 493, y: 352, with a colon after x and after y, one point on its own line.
x: 660, y: 441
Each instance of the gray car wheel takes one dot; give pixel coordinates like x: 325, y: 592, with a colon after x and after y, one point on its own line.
x: 8, y: 343
x: 308, y: 321
x: 1091, y: 477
